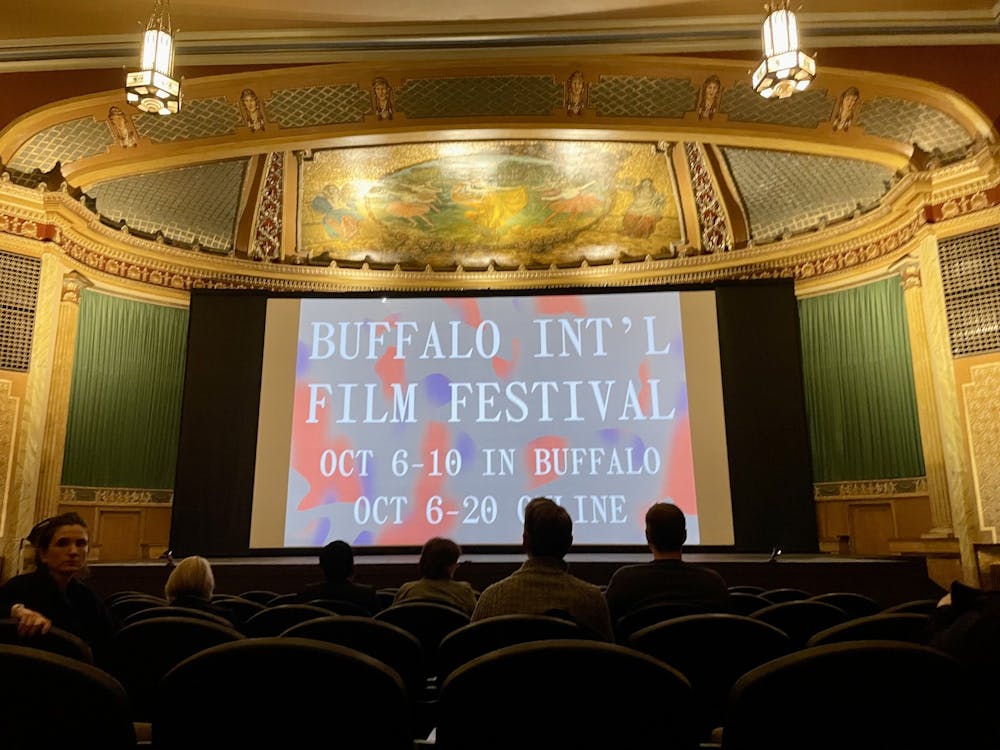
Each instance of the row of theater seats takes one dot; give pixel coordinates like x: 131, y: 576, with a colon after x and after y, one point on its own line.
x: 372, y: 682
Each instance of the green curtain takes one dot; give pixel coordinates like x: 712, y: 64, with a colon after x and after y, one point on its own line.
x: 858, y: 374
x: 125, y: 398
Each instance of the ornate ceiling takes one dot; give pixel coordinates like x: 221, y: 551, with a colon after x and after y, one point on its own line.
x: 306, y: 174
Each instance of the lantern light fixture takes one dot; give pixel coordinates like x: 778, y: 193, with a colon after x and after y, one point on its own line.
x: 785, y: 68
x: 153, y: 88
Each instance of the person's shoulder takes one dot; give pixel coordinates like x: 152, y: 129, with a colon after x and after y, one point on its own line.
x: 629, y: 571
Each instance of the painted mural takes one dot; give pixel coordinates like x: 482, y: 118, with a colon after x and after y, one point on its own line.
x: 505, y: 202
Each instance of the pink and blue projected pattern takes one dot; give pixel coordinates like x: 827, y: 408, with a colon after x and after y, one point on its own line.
x: 416, y: 418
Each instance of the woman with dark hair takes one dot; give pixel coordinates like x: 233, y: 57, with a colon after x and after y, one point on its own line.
x: 438, y: 562
x: 53, y: 594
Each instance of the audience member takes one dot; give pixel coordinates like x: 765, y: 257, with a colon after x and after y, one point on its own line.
x: 438, y: 562
x: 543, y: 584
x: 966, y: 624
x: 667, y: 578
x: 337, y: 561
x: 53, y: 595
x: 191, y: 585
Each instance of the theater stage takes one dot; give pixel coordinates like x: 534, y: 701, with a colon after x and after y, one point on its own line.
x: 889, y: 580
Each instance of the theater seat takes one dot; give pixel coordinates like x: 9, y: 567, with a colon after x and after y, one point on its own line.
x: 141, y: 653
x: 892, y: 626
x: 428, y: 621
x: 282, y: 693
x: 863, y: 694
x: 480, y: 637
x: 713, y: 651
x: 801, y: 619
x: 566, y: 694
x: 56, y: 641
x: 274, y: 621
x: 49, y: 701
x: 854, y: 604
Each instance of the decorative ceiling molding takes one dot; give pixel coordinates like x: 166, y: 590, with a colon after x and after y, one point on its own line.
x: 357, y: 42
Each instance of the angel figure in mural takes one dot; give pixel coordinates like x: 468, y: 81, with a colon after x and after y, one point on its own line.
x: 122, y: 128
x: 339, y: 206
x: 846, y: 109
x: 645, y: 210
x: 411, y: 203
x: 252, y: 110
x: 490, y: 207
x: 576, y: 94
x: 573, y: 200
x: 709, y: 98
x: 382, y: 98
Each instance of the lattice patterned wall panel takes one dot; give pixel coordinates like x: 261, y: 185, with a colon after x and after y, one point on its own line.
x: 193, y: 204
x: 65, y: 142
x: 471, y: 97
x: 318, y: 105
x: 804, y: 110
x: 629, y: 96
x: 983, y: 420
x: 970, y: 271
x: 912, y: 122
x: 789, y: 193
x: 18, y: 294
x: 201, y: 118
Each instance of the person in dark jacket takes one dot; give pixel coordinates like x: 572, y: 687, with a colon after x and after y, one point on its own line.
x: 53, y: 595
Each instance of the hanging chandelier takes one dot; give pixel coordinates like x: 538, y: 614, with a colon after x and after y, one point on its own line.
x: 154, y: 89
x: 785, y: 68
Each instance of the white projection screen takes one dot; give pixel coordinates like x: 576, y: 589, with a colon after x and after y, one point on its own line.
x: 386, y: 421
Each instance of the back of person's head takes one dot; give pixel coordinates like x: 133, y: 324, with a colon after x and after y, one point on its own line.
x: 666, y: 529
x: 192, y: 576
x: 438, y: 557
x: 42, y: 534
x: 548, y: 529
x: 337, y: 560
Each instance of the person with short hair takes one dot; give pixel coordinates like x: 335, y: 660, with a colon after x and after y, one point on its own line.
x: 337, y: 562
x: 667, y: 578
x: 53, y: 594
x: 438, y: 563
x: 191, y: 584
x: 543, y: 584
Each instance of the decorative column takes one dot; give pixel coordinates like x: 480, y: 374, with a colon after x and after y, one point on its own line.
x: 927, y: 409
x: 57, y: 412
x: 957, y: 470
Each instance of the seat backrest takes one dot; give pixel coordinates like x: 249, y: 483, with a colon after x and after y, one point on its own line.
x: 292, y: 598
x: 39, y: 687
x: 786, y: 594
x: 128, y: 605
x: 428, y: 621
x: 712, y: 651
x: 892, y: 626
x: 382, y: 640
x: 142, y: 652
x: 260, y: 596
x: 480, y: 637
x: 801, y: 619
x: 170, y: 611
x: 920, y: 606
x: 282, y: 692
x: 745, y: 604
x: 130, y: 594
x: 273, y: 621
x: 56, y: 641
x: 861, y: 694
x: 650, y: 614
x: 566, y: 694
x: 747, y: 589
x: 340, y: 607
x: 242, y: 609
x: 854, y: 604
